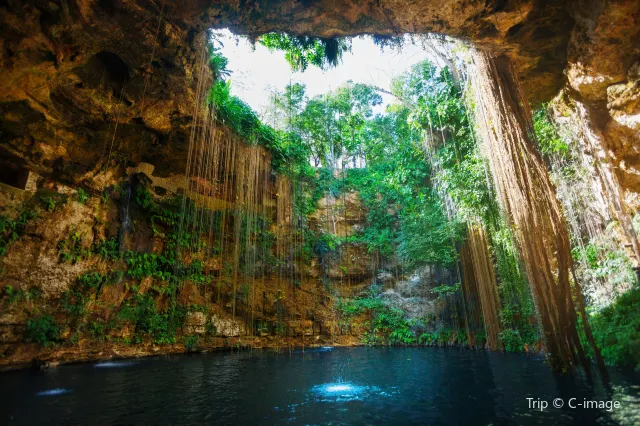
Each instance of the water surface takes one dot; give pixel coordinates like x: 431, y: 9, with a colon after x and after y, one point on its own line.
x: 355, y: 386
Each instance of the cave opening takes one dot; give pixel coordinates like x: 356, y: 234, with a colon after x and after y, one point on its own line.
x: 106, y: 69
x: 13, y: 170
x: 392, y: 226
x: 409, y: 147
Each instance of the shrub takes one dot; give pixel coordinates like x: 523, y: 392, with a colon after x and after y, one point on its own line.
x: 82, y: 196
x: 11, y: 230
x: 92, y: 280
x: 97, y: 330
x: 160, y: 326
x: 73, y: 302
x: 616, y: 330
x: 42, y: 329
x: 71, y: 249
x: 107, y: 249
x: 191, y: 342
x: 512, y: 340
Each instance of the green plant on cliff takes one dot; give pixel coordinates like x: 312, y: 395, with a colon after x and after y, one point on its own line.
x: 73, y: 302
x: 72, y: 250
x: 12, y: 229
x: 191, y: 342
x: 107, y: 249
x: 217, y: 61
x: 158, y: 325
x: 389, y: 326
x: 82, y: 196
x: 444, y: 290
x: 43, y: 330
x: 616, y: 330
x: 141, y: 265
x: 13, y: 295
x: 98, y: 330
x: 92, y: 280
x: 549, y: 141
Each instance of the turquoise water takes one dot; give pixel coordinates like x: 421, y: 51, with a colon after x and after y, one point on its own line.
x: 355, y: 386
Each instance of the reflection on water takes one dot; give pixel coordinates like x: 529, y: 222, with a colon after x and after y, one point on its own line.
x: 115, y: 364
x: 319, y: 386
x: 342, y: 392
x: 629, y: 397
x: 53, y: 392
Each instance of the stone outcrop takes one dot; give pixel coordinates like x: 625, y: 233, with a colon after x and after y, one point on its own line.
x: 84, y: 80
x: 85, y: 83
x: 603, y: 73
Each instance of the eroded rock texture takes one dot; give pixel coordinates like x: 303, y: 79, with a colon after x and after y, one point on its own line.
x: 603, y: 73
x: 73, y: 70
x: 86, y: 80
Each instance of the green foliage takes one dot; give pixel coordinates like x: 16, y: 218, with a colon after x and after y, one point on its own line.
x: 218, y: 63
x: 12, y: 229
x: 98, y: 330
x: 71, y: 249
x: 191, y: 342
x: 73, y: 302
x: 517, y: 309
x: 141, y: 265
x: 616, y: 330
x: 512, y: 340
x: 107, y: 249
x: 158, y: 325
x: 602, y: 262
x: 144, y: 198
x: 353, y: 307
x: 13, y: 295
x: 105, y: 196
x: 49, y: 203
x: 325, y: 242
x: 446, y: 290
x: 301, y: 51
x: 427, y: 237
x: 82, y: 196
x: 389, y: 327
x: 549, y: 141
x: 236, y: 114
x: 386, y: 41
x: 42, y: 329
x: 92, y: 280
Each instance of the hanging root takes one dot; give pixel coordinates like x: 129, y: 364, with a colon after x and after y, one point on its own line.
x: 484, y: 287
x: 528, y: 197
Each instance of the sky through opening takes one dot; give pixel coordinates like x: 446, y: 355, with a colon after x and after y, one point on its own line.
x: 257, y: 72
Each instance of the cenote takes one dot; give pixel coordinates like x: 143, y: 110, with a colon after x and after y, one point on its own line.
x: 438, y: 200
x: 357, y: 386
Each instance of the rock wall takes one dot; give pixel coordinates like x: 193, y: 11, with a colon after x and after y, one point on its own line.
x: 47, y: 271
x: 84, y: 83
x: 603, y: 79
x: 81, y: 80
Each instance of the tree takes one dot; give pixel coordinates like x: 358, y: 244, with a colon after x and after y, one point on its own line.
x: 300, y: 51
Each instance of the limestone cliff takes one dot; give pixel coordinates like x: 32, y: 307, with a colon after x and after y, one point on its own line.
x: 86, y: 82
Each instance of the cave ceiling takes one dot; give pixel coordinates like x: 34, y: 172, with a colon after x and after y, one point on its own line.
x: 72, y: 70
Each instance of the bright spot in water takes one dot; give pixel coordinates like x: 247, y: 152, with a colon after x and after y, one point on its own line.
x: 115, y: 364
x: 53, y: 392
x: 345, y: 391
x: 339, y: 388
